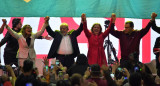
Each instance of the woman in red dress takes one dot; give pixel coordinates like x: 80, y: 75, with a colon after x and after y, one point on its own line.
x: 96, y: 54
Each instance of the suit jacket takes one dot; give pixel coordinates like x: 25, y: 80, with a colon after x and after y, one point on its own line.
x: 26, y: 51
x: 57, y: 40
x: 129, y: 43
x: 12, y: 43
x: 155, y: 28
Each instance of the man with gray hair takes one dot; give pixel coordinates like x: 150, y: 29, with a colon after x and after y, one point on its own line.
x: 65, y: 46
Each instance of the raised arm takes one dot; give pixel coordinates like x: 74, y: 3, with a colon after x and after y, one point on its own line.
x: 2, y: 27
x: 114, y: 32
x: 7, y: 36
x: 146, y: 29
x: 113, y: 19
x: 39, y: 33
x: 50, y: 31
x: 13, y: 33
x: 86, y: 31
x: 154, y: 26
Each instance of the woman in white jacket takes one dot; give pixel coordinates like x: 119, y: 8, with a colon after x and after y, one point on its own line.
x: 26, y: 42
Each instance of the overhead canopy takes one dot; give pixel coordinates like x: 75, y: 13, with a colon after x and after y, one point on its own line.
x: 74, y: 8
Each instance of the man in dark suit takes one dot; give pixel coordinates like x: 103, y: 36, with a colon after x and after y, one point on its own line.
x: 64, y: 47
x: 156, y: 51
x: 156, y: 48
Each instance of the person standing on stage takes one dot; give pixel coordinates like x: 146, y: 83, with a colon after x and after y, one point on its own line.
x: 130, y: 39
x: 64, y: 47
x: 156, y: 48
x: 26, y: 42
x: 12, y: 46
x: 96, y: 54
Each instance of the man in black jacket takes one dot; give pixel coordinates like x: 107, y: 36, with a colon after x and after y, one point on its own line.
x: 12, y: 46
x: 64, y: 47
x: 156, y: 48
x: 156, y: 51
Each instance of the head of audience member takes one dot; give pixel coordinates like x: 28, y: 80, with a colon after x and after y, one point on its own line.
x: 129, y: 25
x: 76, y: 79
x: 26, y: 30
x: 135, y: 79
x: 95, y: 70
x: 134, y: 57
x: 145, y: 69
x: 62, y: 83
x: 4, y: 78
x: 64, y: 28
x: 28, y: 66
x: 96, y: 29
x: 82, y: 59
x: 16, y: 23
x: 148, y: 80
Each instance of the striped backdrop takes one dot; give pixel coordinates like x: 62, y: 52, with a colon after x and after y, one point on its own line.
x: 42, y: 46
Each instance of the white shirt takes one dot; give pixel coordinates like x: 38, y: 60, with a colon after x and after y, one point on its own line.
x: 65, y: 47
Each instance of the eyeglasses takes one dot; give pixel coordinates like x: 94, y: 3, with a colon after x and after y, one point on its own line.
x: 127, y: 27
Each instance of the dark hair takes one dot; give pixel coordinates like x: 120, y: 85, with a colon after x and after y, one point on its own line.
x: 15, y: 22
x: 95, y: 70
x: 75, y: 79
x: 135, y: 79
x: 148, y: 79
x: 130, y: 23
x: 82, y: 59
x: 62, y: 83
x: 27, y: 65
x: 109, y: 79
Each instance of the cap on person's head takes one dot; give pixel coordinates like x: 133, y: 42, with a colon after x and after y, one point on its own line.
x: 15, y: 22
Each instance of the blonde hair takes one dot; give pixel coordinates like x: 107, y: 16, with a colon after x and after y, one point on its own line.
x: 96, y: 24
x: 23, y: 30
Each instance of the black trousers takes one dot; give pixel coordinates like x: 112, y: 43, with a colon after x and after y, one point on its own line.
x: 10, y: 59
x: 157, y: 61
x: 66, y: 60
x: 158, y: 64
